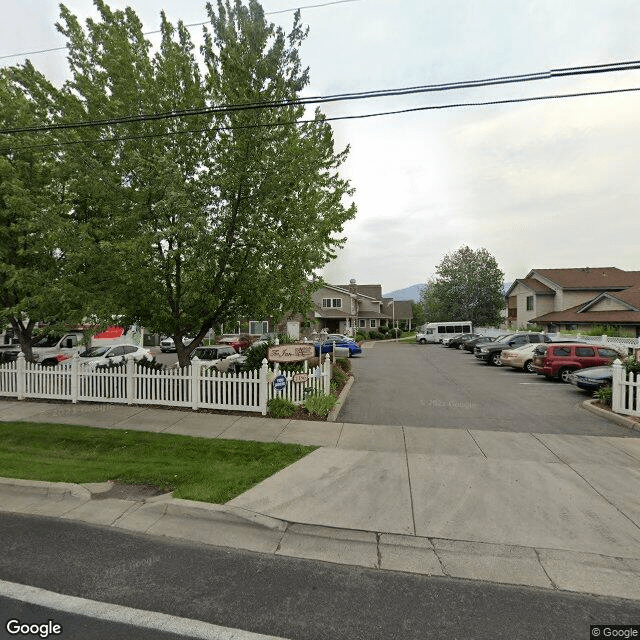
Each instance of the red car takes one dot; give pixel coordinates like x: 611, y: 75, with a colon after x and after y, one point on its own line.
x: 238, y: 342
x: 559, y: 360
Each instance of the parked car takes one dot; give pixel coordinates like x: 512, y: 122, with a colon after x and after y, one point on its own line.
x: 470, y: 345
x: 167, y: 344
x: 490, y: 352
x: 458, y: 341
x: 215, y: 356
x: 265, y: 338
x: 117, y: 354
x: 238, y: 342
x: 592, y: 378
x: 338, y: 337
x: 560, y: 360
x: 519, y: 358
x: 327, y: 347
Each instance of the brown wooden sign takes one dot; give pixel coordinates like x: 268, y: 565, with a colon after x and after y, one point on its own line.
x: 290, y: 352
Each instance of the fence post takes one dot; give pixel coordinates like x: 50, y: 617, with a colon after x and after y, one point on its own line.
x: 75, y: 378
x: 196, y: 377
x: 263, y: 385
x: 21, y: 375
x: 327, y: 375
x: 617, y: 388
x: 129, y: 387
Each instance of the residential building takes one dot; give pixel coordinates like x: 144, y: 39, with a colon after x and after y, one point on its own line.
x: 570, y: 299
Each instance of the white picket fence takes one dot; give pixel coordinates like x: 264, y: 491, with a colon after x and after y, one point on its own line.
x: 625, y: 391
x: 194, y: 386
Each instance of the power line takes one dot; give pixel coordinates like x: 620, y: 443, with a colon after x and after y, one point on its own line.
x: 457, y: 105
x: 628, y: 65
x: 192, y: 24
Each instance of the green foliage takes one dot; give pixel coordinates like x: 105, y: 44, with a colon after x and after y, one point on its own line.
x: 468, y: 286
x: 208, y: 219
x: 604, y: 395
x: 419, y: 315
x: 631, y: 365
x: 319, y: 404
x: 610, y: 331
x: 338, y: 376
x: 384, y: 330
x: 344, y: 364
x: 534, y: 327
x: 281, y: 408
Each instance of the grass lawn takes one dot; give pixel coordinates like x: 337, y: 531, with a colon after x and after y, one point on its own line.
x: 208, y: 470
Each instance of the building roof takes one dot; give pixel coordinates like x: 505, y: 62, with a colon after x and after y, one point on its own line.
x: 575, y: 316
x: 534, y: 285
x: 369, y: 290
x: 602, y: 278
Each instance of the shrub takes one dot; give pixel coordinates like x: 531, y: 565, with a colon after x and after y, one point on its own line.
x: 632, y: 365
x: 603, y: 394
x: 339, y: 377
x: 281, y: 408
x: 344, y: 364
x: 384, y: 330
x: 319, y: 404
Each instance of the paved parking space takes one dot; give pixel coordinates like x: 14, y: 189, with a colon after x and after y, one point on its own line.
x: 431, y: 386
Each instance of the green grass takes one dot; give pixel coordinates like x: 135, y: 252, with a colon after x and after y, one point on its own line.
x: 207, y: 470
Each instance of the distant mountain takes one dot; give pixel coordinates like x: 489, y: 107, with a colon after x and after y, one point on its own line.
x: 409, y: 293
x: 413, y: 292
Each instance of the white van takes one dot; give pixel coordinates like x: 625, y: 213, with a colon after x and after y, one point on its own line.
x: 437, y: 331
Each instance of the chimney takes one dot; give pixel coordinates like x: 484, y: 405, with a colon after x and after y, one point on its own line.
x: 352, y: 286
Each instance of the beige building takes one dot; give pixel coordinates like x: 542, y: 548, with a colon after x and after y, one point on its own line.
x: 569, y: 299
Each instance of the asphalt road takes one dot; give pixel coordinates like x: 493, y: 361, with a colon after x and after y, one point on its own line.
x: 285, y: 597
x: 433, y: 386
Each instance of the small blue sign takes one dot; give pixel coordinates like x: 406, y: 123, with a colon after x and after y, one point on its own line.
x: 280, y: 383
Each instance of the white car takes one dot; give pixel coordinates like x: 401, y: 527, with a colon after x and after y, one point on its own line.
x: 167, y: 344
x: 116, y: 354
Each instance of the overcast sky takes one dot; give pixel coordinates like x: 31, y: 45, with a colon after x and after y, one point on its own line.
x: 545, y: 184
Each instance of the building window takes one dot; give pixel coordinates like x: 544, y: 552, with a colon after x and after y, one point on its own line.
x: 373, y: 324
x: 363, y: 324
x: 529, y: 303
x: 326, y: 302
x: 257, y: 328
x: 336, y: 303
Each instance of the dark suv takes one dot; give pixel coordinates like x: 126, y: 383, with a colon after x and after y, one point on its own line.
x: 560, y: 360
x: 490, y: 351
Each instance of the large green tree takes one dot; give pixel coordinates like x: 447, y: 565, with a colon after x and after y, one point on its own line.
x: 37, y: 281
x: 468, y: 286
x: 207, y: 218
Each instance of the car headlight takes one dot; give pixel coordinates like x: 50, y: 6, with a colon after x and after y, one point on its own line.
x: 483, y: 351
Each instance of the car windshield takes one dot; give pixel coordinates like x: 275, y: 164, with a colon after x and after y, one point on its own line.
x: 47, y: 341
x: 94, y: 352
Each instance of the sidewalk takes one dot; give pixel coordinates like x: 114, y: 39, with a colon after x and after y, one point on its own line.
x: 551, y: 511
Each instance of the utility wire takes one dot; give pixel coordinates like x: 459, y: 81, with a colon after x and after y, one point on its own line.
x: 193, y: 24
x: 323, y: 120
x: 628, y: 65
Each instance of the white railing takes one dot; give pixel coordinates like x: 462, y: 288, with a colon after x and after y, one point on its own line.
x: 625, y: 390
x: 195, y: 386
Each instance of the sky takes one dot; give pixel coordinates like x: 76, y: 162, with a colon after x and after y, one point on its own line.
x: 540, y: 184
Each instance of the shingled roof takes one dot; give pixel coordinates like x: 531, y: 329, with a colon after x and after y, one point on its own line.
x: 601, y: 278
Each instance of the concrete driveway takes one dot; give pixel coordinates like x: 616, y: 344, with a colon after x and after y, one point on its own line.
x: 432, y: 386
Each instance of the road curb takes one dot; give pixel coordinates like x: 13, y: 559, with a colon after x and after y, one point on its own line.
x: 235, y: 527
x: 333, y: 414
x: 616, y: 418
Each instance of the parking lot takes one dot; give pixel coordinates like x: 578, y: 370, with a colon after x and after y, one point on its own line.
x: 432, y: 386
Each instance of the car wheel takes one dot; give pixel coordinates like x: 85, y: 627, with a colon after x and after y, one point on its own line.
x: 495, y: 360
x: 460, y: 347
x: 563, y: 374
x: 528, y: 366
x: 423, y: 341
